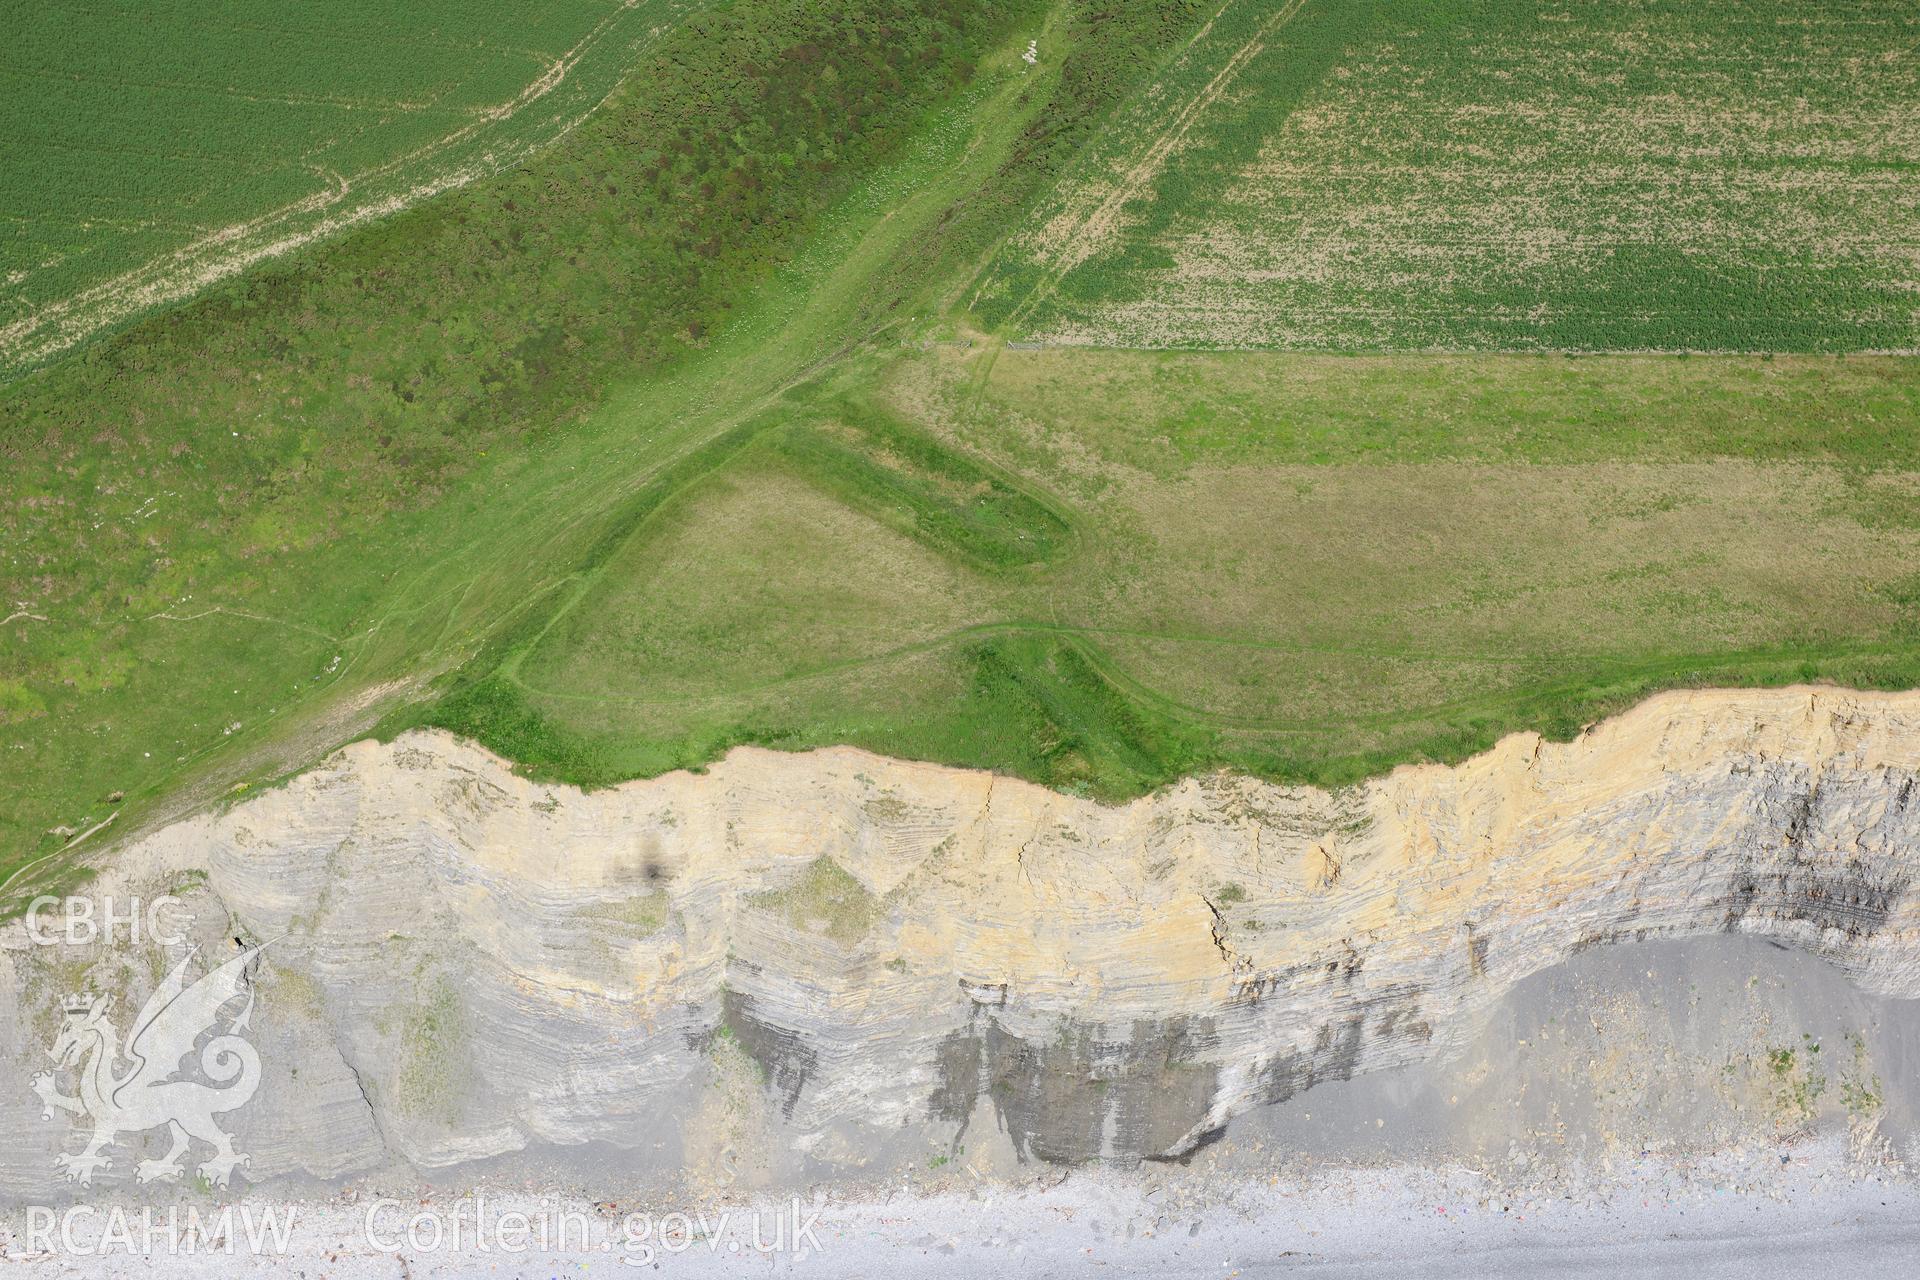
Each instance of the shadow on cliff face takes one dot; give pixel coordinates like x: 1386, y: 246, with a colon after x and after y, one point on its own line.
x: 1145, y: 1090
x: 1091, y: 1092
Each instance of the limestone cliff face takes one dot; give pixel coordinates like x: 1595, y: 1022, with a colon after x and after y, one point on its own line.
x: 467, y: 964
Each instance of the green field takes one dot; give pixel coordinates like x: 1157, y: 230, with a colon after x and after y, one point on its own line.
x: 154, y: 146
x: 1104, y: 570
x: 1498, y: 175
x: 695, y: 429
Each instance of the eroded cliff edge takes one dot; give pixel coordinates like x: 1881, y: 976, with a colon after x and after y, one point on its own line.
x: 465, y: 964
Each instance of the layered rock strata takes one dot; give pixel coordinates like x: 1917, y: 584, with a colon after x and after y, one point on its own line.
x: 463, y: 964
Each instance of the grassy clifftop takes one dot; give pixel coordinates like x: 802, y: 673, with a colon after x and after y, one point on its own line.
x: 691, y: 432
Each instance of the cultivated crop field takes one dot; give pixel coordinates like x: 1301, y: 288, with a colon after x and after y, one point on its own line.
x: 1498, y: 175
x: 153, y: 146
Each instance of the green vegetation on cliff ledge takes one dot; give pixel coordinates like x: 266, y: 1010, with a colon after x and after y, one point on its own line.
x: 682, y: 435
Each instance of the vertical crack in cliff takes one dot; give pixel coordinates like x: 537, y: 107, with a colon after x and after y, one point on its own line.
x: 1220, y: 933
x: 366, y: 1098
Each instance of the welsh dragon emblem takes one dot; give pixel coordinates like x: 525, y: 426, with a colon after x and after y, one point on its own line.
x: 144, y: 1094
